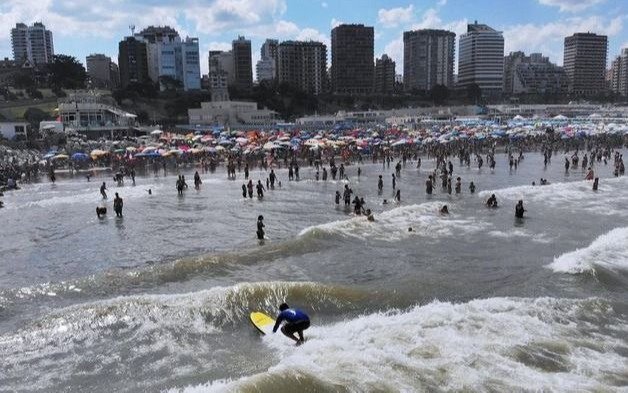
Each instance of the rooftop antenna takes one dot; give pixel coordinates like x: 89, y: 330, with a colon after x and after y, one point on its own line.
x: 132, y: 27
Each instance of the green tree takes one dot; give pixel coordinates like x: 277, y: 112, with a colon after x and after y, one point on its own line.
x: 170, y: 83
x: 66, y: 72
x: 24, y: 80
x: 34, y: 116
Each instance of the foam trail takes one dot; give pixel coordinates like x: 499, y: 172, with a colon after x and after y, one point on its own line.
x: 609, y: 251
x: 495, y: 344
x: 392, y: 225
x: 610, y: 199
x: 168, y: 329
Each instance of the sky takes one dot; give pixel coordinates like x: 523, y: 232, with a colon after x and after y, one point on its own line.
x: 82, y: 27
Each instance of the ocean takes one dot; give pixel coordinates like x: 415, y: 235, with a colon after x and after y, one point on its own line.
x: 476, y: 300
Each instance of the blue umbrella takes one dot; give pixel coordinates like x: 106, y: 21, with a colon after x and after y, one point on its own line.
x: 80, y: 157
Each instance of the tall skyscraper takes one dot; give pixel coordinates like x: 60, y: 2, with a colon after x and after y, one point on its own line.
x: 132, y: 61
x: 585, y: 63
x: 103, y: 73
x: 428, y: 59
x: 242, y: 63
x: 32, y: 43
x: 267, y: 65
x: 303, y: 64
x: 221, y: 74
x: 533, y: 74
x: 481, y: 58
x: 619, y: 74
x: 170, y: 56
x: 384, y: 75
x: 352, y: 54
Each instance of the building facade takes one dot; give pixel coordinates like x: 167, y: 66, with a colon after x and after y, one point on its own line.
x: 428, y: 59
x: 352, y: 54
x: 533, y: 74
x: 303, y: 64
x: 585, y: 63
x: 242, y: 63
x: 103, y: 73
x: 619, y: 74
x: 95, y: 116
x: 384, y: 75
x: 481, y: 59
x: 267, y: 65
x: 32, y: 43
x: 232, y: 114
x: 170, y: 56
x: 132, y: 62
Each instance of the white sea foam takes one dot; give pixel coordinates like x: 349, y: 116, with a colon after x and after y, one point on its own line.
x: 87, y: 195
x: 610, y: 199
x: 609, y: 251
x: 497, y: 344
x: 392, y: 225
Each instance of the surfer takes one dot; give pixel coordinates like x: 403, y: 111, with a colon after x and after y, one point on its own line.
x: 296, y: 322
x: 260, y: 227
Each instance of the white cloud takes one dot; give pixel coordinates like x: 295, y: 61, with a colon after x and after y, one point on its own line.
x: 233, y: 14
x: 429, y: 20
x: 549, y: 38
x: 324, y: 4
x: 571, y: 5
x: 394, y: 50
x: 309, y: 33
x: 442, y: 3
x: 395, y: 16
x: 335, y: 22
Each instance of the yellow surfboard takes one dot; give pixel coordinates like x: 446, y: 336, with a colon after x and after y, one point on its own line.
x: 262, y: 322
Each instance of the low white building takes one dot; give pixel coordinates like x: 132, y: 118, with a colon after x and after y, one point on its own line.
x: 14, y: 130
x: 94, y: 117
x: 232, y: 114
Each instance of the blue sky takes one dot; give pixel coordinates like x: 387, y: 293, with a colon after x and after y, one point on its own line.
x: 81, y: 27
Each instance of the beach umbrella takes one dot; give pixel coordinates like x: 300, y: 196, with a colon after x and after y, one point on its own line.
x: 60, y: 157
x: 49, y: 155
x: 80, y: 157
x: 156, y: 132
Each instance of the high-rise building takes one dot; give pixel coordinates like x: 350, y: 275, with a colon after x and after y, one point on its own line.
x: 352, y: 54
x: 585, y: 63
x: 533, y: 74
x: 103, y: 73
x: 132, y: 61
x: 32, y: 43
x: 303, y: 64
x: 428, y: 58
x: 481, y: 59
x: 170, y: 56
x: 242, y: 63
x: 221, y: 74
x: 619, y: 74
x: 384, y: 75
x: 267, y: 65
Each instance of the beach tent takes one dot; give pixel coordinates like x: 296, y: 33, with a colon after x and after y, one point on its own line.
x: 80, y: 157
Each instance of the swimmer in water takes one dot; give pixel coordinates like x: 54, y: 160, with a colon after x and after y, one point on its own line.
x: 369, y: 215
x: 260, y: 227
x: 519, y: 209
x: 444, y: 210
x: 492, y: 201
x: 471, y: 188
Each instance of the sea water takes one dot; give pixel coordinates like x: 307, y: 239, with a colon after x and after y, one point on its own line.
x: 471, y: 301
